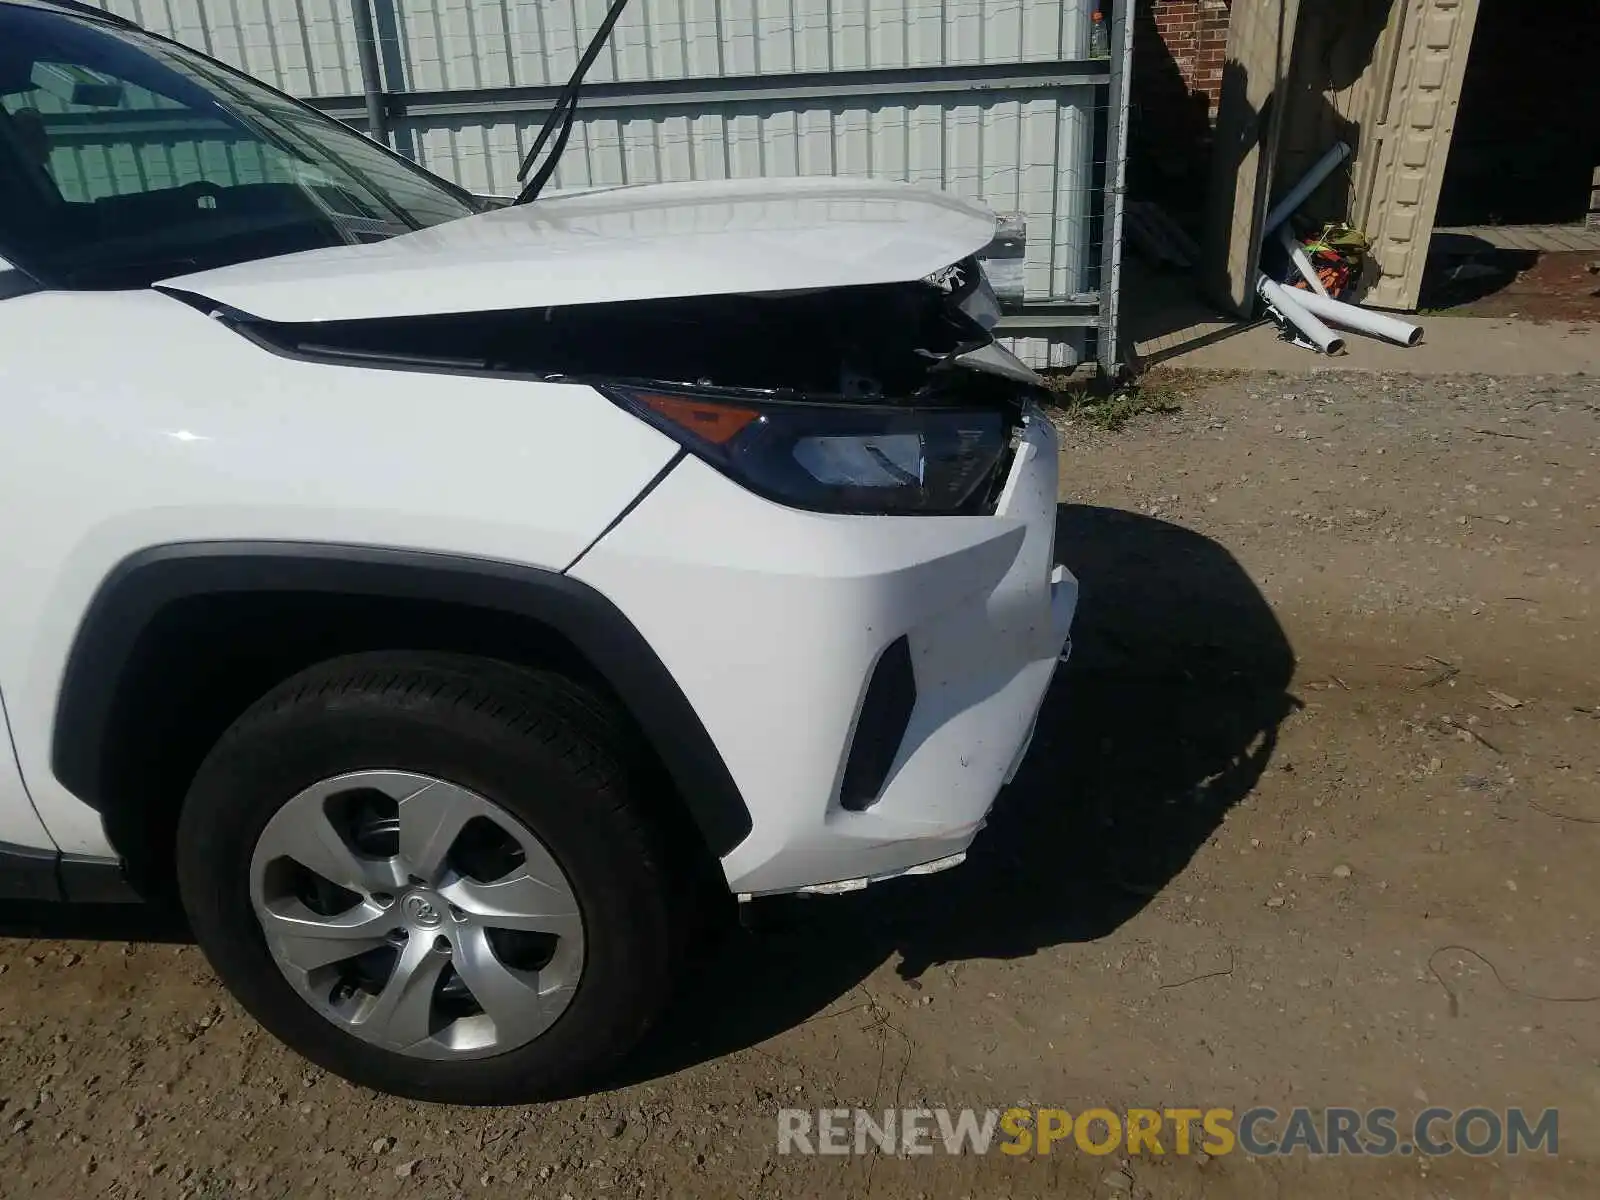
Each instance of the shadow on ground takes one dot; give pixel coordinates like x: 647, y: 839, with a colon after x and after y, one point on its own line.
x: 1165, y: 719
x: 1462, y: 269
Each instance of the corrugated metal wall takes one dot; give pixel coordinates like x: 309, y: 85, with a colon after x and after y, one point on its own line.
x: 1027, y: 149
x: 307, y: 47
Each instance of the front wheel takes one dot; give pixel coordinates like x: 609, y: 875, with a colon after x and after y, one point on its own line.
x: 433, y: 875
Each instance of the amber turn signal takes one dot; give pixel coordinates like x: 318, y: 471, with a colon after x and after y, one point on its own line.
x: 711, y: 422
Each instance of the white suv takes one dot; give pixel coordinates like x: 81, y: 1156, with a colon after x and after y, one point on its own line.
x: 436, y: 594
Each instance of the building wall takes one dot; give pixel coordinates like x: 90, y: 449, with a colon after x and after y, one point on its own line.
x: 1179, y: 48
x: 1194, y: 33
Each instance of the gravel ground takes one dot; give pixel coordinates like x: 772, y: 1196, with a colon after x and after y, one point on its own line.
x: 1332, y: 712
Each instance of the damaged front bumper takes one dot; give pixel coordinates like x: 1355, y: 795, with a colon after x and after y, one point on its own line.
x: 774, y: 622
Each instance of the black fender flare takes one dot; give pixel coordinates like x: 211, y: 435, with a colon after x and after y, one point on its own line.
x: 139, y: 587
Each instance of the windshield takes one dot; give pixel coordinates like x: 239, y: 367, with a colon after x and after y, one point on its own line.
x: 125, y: 159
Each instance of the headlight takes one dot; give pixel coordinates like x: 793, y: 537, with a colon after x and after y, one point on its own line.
x: 844, y: 458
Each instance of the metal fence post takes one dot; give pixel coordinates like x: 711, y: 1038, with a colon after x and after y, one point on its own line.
x: 1107, y: 348
x: 371, y: 73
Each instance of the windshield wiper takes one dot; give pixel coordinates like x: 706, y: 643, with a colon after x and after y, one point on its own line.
x: 566, y: 108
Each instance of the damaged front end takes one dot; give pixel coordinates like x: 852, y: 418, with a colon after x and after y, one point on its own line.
x: 878, y: 398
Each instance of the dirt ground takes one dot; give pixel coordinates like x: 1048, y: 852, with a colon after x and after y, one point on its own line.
x: 1310, y: 819
x: 1552, y: 286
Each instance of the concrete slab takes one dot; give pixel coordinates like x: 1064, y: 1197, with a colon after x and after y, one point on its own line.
x: 1451, y: 346
x: 1162, y: 315
x: 1550, y: 238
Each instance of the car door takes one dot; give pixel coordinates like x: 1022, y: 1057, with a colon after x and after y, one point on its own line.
x: 27, y: 855
x: 20, y: 828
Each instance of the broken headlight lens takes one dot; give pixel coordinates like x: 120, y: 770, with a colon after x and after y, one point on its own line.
x: 836, y: 457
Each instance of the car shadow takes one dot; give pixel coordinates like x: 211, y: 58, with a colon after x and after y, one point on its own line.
x: 1165, y: 718
x: 94, y: 922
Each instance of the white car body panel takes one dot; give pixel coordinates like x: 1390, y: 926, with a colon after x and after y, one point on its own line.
x: 19, y: 822
x: 772, y: 620
x: 631, y: 243
x: 133, y: 421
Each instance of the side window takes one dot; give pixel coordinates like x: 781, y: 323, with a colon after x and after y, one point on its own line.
x: 97, y: 136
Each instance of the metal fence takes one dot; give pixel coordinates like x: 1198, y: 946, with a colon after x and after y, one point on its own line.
x: 1004, y: 101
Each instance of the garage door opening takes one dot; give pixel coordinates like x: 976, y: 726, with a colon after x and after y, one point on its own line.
x: 1527, y: 134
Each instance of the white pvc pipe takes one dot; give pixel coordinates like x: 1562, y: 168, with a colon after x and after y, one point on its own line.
x: 1325, y: 339
x: 1301, y: 260
x: 1319, y: 171
x: 1362, y: 320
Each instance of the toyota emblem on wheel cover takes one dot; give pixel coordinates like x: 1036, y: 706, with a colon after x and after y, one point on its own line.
x: 421, y: 910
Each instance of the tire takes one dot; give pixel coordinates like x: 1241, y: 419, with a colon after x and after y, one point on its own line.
x: 558, y: 772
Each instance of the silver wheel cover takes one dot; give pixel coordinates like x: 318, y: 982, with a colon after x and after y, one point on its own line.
x: 387, y: 927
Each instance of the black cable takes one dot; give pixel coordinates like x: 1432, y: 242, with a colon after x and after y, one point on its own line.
x: 565, y: 110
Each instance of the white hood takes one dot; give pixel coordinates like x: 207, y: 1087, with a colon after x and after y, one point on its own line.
x: 629, y: 243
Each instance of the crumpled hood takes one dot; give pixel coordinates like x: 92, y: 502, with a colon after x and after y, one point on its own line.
x: 643, y: 242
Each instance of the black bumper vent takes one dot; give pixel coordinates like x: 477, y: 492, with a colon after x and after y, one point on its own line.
x: 885, y: 713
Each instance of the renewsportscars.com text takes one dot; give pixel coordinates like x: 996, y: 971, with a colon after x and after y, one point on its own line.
x: 1261, y: 1131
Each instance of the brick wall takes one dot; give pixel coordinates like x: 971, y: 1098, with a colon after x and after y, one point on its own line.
x: 1194, y: 34
x: 1178, y: 52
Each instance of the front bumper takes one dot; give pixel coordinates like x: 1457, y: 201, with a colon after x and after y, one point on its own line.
x: 772, y: 621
